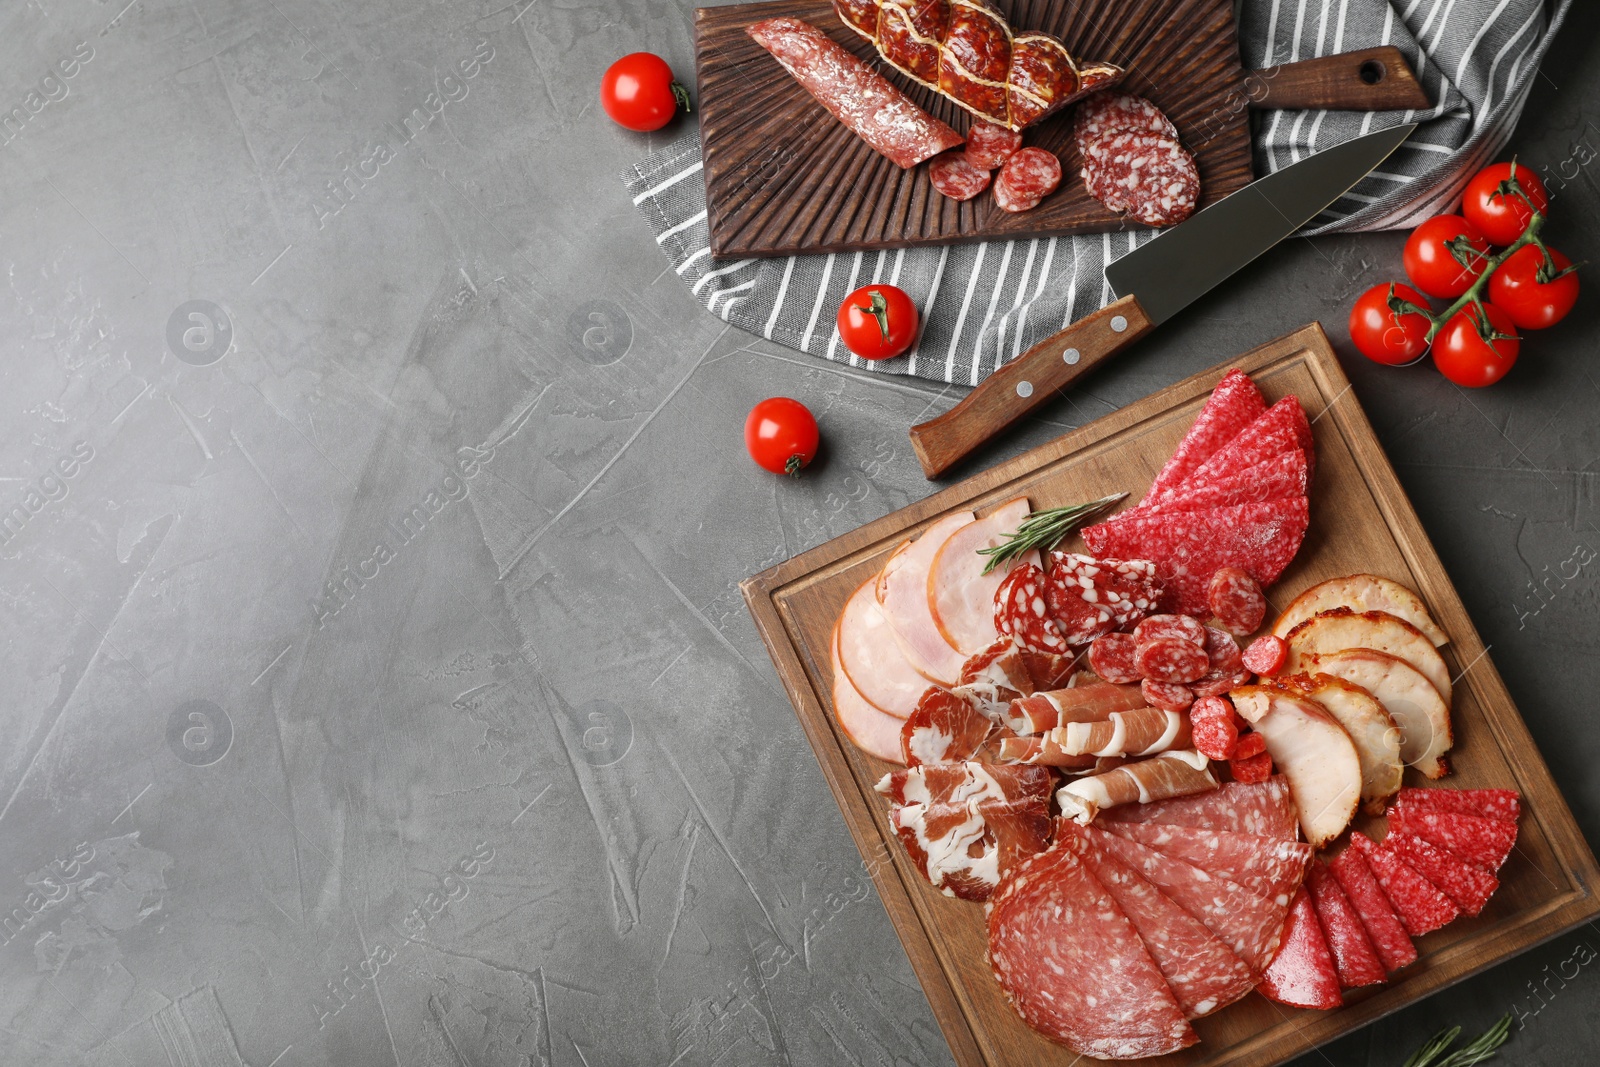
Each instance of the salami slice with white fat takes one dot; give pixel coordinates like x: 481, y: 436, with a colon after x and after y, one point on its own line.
x: 1103, y: 114
x: 1234, y: 403
x: 1236, y: 600
x: 989, y: 146
x: 1270, y: 866
x: 1149, y: 176
x: 1171, y: 659
x: 956, y: 177
x: 960, y: 595
x: 1022, y: 613
x: 1111, y: 657
x: 1030, y: 175
x: 872, y: 657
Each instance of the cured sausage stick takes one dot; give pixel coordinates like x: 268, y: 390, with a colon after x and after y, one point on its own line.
x: 854, y: 93
x: 1171, y: 774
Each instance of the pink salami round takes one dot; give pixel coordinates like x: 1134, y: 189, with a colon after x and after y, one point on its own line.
x: 1020, y: 611
x: 1212, y: 726
x: 1189, y: 629
x: 1237, y: 601
x: 1105, y: 113
x: 988, y: 145
x: 1030, y: 175
x: 1168, y: 696
x: 954, y: 176
x: 1111, y: 657
x: 1150, y: 176
x: 1170, y: 659
x: 1266, y: 655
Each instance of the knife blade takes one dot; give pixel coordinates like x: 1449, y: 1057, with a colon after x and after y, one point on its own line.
x: 1154, y: 282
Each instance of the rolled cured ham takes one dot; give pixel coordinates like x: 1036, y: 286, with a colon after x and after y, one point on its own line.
x: 1171, y: 774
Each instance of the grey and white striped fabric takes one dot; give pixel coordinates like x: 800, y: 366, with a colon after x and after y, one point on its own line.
x: 983, y: 304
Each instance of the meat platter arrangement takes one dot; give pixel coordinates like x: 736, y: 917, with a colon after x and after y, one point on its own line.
x: 1148, y: 783
x: 1133, y: 161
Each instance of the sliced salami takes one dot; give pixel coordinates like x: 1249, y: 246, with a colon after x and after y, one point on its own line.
x: 1103, y: 114
x: 1251, y: 769
x: 1236, y: 600
x: 1234, y: 403
x: 1149, y: 176
x: 1419, y: 903
x: 1111, y: 657
x: 1204, y: 974
x: 1485, y: 842
x: 1383, y: 926
x: 1249, y: 744
x: 1248, y: 923
x: 1353, y: 955
x: 1269, y: 866
x: 1266, y: 655
x: 956, y: 177
x: 1303, y: 974
x: 1280, y: 428
x: 1266, y: 810
x: 1212, y: 728
x: 1171, y: 659
x: 1215, y: 686
x: 1278, y: 476
x: 1179, y: 626
x: 1074, y: 967
x: 1030, y: 175
x: 1468, y: 885
x: 1169, y: 696
x: 1128, y: 587
x: 1486, y: 803
x: 1022, y: 613
x: 988, y: 145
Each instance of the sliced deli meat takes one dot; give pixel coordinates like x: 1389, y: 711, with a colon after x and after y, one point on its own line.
x: 902, y: 591
x: 1140, y: 732
x: 953, y: 174
x: 1421, y: 905
x: 1361, y: 592
x: 1274, y: 478
x: 1022, y: 611
x: 1337, y: 629
x: 1236, y: 600
x: 1314, y: 753
x: 1234, y: 403
x: 1487, y: 803
x: 1094, y: 702
x: 1281, y: 428
x: 1149, y: 176
x: 1026, y: 178
x: 1265, y: 809
x: 960, y: 595
x: 1353, y: 955
x: 1074, y: 966
x: 1471, y: 839
x: 1269, y: 866
x: 874, y: 732
x: 1105, y: 113
x: 1370, y: 726
x: 989, y: 145
x: 1378, y: 917
x: 854, y: 93
x: 872, y: 656
x: 1409, y: 698
x: 1170, y: 774
x: 1203, y: 973
x: 946, y: 726
x: 1303, y: 975
x: 1468, y: 885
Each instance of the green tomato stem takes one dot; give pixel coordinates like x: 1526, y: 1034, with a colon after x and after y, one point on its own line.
x: 1474, y: 293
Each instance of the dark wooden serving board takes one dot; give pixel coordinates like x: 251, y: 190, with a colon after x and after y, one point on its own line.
x: 783, y: 177
x: 1361, y: 521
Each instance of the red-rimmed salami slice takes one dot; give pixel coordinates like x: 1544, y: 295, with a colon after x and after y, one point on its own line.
x: 989, y: 146
x: 954, y: 175
x: 1103, y: 114
x: 1236, y: 600
x: 1225, y: 665
x: 1030, y: 175
x: 1248, y: 923
x: 1111, y: 657
x: 1171, y: 659
x: 1383, y: 926
x: 1249, y: 744
x: 1079, y: 612
x: 1022, y: 613
x: 1485, y: 842
x: 1266, y: 655
x: 1269, y: 866
x: 1212, y: 728
x: 1266, y: 810
x: 1074, y: 967
x: 1149, y: 176
x: 1485, y: 803
x: 1418, y: 902
x: 1234, y: 403
x: 1468, y: 886
x: 1303, y: 974
x: 1353, y: 955
x: 1204, y: 974
x: 1179, y: 626
x: 1168, y: 696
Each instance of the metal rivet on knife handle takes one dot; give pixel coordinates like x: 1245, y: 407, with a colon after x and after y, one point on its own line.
x: 1071, y: 356
x: 1024, y: 389
x: 1118, y: 324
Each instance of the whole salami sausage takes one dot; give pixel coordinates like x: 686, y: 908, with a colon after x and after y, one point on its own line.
x: 854, y: 93
x: 956, y: 177
x: 1029, y: 176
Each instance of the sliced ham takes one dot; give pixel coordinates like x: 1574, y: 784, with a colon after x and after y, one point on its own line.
x: 872, y: 658
x: 1074, y: 966
x: 902, y: 591
x: 874, y: 732
x: 960, y: 595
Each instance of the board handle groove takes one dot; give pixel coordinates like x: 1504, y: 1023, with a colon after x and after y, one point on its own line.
x: 1027, y: 382
x: 1369, y: 79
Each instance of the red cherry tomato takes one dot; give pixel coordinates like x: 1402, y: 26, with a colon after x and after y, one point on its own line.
x: 781, y: 435
x: 1532, y: 304
x: 1502, y: 217
x: 1463, y: 356
x: 1385, y: 335
x: 638, y: 92
x: 877, y: 322
x: 1430, y: 264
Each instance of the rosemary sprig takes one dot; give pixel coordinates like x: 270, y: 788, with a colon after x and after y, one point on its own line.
x: 1043, y: 529
x: 1483, y: 1048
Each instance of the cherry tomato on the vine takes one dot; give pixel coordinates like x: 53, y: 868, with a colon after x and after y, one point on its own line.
x: 1501, y: 217
x: 877, y: 322
x: 1384, y: 334
x: 1465, y: 357
x: 638, y: 92
x: 1517, y: 289
x: 1430, y: 262
x: 781, y: 435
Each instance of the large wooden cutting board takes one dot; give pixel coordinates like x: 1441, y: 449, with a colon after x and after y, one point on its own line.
x: 783, y: 177
x: 1360, y: 521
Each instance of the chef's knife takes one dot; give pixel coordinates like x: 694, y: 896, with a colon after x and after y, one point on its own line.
x: 1154, y: 282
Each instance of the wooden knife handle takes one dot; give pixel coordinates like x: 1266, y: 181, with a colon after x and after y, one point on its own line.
x: 1027, y: 382
x: 1372, y: 79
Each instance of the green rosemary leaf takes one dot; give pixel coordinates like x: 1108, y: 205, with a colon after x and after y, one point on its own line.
x: 1425, y: 1055
x: 1483, y: 1048
x: 1043, y: 529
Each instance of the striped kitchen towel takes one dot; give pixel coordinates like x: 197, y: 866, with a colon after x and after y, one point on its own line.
x: 983, y: 304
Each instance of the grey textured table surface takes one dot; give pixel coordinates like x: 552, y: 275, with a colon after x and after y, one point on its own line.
x: 376, y: 683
